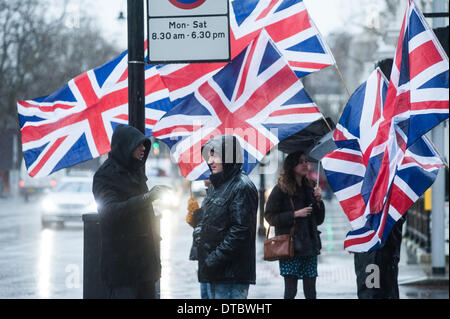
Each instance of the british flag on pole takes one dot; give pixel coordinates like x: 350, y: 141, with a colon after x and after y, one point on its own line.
x: 346, y: 171
x: 75, y: 123
x: 349, y: 174
x: 288, y: 24
x: 416, y: 100
x: 256, y: 97
x: 417, y: 96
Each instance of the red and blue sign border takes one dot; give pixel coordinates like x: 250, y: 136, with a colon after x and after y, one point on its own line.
x: 187, y: 4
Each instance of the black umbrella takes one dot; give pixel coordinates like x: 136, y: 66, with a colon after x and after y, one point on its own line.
x: 315, y: 140
x: 323, y: 147
x: 308, y: 138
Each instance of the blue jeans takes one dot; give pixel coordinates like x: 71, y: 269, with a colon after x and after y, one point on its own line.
x: 204, y: 290
x: 228, y: 291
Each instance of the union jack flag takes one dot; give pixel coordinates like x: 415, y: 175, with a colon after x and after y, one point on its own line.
x: 417, y: 99
x: 288, y: 24
x: 346, y: 172
x: 350, y: 176
x: 75, y: 123
x: 256, y: 97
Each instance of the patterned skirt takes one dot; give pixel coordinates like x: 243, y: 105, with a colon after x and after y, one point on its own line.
x: 302, y: 266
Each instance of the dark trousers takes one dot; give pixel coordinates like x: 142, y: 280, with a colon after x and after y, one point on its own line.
x: 377, y: 270
x: 141, y: 290
x: 290, y: 287
x: 376, y: 274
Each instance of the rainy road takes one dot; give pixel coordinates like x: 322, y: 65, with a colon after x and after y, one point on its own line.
x: 35, y: 262
x: 48, y: 263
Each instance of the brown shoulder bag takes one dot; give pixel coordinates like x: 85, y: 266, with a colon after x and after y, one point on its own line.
x: 281, y: 246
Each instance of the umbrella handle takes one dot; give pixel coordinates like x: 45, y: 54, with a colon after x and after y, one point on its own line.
x: 318, y: 173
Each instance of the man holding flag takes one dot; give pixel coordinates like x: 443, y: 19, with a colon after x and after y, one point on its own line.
x: 385, y: 163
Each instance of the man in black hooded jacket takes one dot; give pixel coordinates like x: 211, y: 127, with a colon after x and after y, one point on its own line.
x: 225, y: 235
x: 130, y: 260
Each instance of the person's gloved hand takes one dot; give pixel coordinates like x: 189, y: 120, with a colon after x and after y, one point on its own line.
x: 211, y: 263
x: 192, y: 207
x: 155, y: 192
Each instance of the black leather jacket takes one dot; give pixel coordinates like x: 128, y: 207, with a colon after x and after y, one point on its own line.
x: 225, y: 235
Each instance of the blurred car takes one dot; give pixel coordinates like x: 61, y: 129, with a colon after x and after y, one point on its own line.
x: 31, y: 187
x: 169, y: 199
x: 68, y: 201
x: 198, y: 188
x: 159, y: 173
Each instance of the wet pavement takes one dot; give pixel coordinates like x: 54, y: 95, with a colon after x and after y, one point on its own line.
x: 336, y: 280
x: 47, y: 263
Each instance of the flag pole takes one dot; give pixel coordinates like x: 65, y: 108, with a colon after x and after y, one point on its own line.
x: 326, y: 122
x: 342, y: 79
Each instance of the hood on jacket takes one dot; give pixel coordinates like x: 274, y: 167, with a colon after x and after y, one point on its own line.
x: 230, y: 151
x: 124, y: 141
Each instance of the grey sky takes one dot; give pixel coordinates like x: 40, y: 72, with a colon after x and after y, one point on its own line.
x: 328, y: 15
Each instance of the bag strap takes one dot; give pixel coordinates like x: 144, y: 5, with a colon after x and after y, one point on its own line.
x: 293, y: 226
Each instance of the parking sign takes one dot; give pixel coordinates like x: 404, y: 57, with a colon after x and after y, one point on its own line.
x: 185, y: 31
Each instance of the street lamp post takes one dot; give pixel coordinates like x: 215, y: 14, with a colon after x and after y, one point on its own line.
x: 93, y: 287
x: 136, y: 80
x: 136, y: 64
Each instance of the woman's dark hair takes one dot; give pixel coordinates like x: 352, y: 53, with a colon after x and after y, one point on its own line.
x: 287, y: 181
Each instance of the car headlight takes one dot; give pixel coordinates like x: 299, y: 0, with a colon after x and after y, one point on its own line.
x: 167, y: 197
x: 48, y: 205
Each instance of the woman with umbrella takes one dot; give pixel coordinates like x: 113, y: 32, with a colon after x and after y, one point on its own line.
x: 296, y: 202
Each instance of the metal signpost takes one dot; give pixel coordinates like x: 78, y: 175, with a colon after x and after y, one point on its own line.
x: 184, y: 31
x: 438, y: 188
x: 136, y: 65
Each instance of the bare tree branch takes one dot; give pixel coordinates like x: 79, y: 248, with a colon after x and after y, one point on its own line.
x: 39, y: 55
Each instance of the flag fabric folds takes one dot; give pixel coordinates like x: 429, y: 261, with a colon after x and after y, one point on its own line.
x: 345, y: 171
x: 417, y: 99
x: 256, y: 97
x: 75, y: 123
x: 290, y: 27
x: 288, y: 24
x: 351, y: 177
x: 418, y: 94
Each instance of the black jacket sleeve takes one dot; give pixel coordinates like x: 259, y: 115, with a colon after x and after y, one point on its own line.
x: 272, y: 213
x: 111, y: 207
x: 319, y: 212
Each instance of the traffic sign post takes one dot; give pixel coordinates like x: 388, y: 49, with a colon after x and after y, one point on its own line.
x: 185, y: 31
x: 136, y: 64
